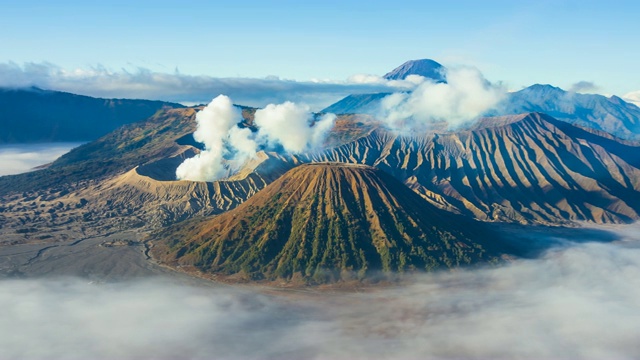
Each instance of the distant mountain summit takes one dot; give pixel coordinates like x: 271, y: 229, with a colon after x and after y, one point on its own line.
x: 325, y: 222
x: 423, y: 67
x: 610, y: 114
x: 367, y: 103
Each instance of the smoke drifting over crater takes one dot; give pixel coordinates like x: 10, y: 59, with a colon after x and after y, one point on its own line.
x: 576, y: 301
x: 289, y: 125
x: 465, y: 96
x: 228, y: 146
x: 218, y: 130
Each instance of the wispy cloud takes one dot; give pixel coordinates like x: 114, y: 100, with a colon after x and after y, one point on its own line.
x: 142, y: 83
x: 577, y: 301
x: 585, y: 87
x: 633, y: 97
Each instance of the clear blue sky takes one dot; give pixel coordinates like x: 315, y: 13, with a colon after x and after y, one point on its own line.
x: 518, y: 42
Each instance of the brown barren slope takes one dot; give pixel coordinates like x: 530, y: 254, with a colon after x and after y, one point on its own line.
x: 324, y: 222
x: 529, y: 168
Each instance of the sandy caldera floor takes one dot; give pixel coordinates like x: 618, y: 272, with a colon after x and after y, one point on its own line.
x: 114, y: 257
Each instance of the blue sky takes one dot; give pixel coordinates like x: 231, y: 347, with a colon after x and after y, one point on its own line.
x: 517, y: 42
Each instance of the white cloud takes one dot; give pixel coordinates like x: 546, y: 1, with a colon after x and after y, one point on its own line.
x: 579, y: 301
x: 290, y: 125
x: 407, y: 84
x: 15, y: 159
x: 632, y: 97
x: 214, y: 129
x: 227, y: 146
x: 585, y: 87
x: 142, y: 83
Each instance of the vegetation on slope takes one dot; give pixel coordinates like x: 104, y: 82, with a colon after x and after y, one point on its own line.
x: 321, y: 223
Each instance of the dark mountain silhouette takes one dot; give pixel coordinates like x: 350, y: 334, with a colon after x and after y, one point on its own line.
x: 36, y: 115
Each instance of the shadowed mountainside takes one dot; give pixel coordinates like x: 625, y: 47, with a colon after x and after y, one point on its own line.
x: 124, y: 202
x: 36, y: 115
x: 324, y: 222
x: 356, y: 103
x: 117, y: 152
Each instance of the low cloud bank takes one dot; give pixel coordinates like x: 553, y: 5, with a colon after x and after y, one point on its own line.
x: 574, y: 302
x: 227, y: 145
x: 16, y: 159
x: 191, y: 89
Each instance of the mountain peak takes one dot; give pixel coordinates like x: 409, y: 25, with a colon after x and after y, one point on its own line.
x: 324, y: 222
x: 423, y: 67
x: 617, y: 100
x: 543, y: 88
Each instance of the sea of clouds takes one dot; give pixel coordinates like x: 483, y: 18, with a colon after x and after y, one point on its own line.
x: 575, y: 301
x: 19, y: 158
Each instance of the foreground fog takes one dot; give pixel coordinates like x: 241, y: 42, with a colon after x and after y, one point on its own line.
x: 19, y: 158
x: 579, y: 301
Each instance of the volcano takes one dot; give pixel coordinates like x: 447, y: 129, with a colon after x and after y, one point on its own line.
x: 327, y: 222
x: 422, y: 67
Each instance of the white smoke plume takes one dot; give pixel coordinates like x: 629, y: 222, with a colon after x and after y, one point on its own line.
x: 465, y: 96
x: 575, y: 302
x: 288, y: 124
x: 215, y: 129
x: 228, y: 146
